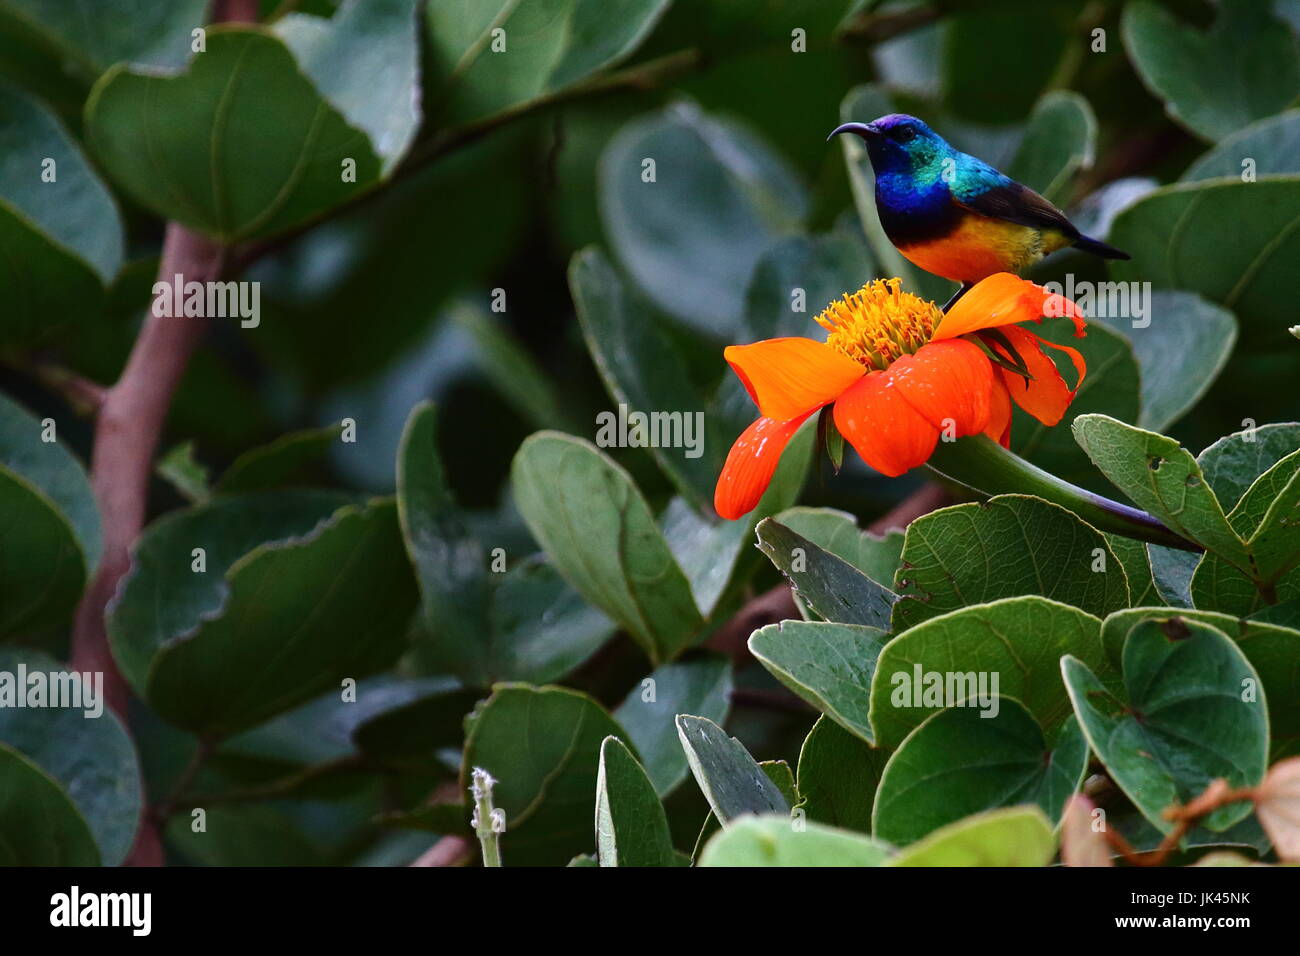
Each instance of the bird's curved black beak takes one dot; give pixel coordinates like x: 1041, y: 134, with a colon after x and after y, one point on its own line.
x: 864, y: 130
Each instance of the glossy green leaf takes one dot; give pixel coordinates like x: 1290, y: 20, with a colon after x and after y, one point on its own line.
x: 645, y: 375
x: 772, y: 841
x: 731, y: 780
x: 1175, y: 238
x: 838, y: 776
x: 1272, y: 147
x: 969, y: 759
x: 85, y: 748
x: 1000, y: 89
x: 41, y: 824
x: 1181, y: 346
x: 1060, y: 139
x: 631, y: 826
x: 1268, y: 518
x: 1009, y: 545
x: 1192, y: 711
x: 94, y: 36
x: 59, y: 226
x: 1018, y: 836
x: 497, y: 55
x: 698, y: 685
x: 799, y: 276
x: 876, y: 556
x: 829, y: 585
x: 285, y: 462
x: 597, y: 528
x: 692, y: 236
x: 1272, y: 650
x: 1233, y: 463
x: 1017, y: 641
x: 49, y: 524
x: 1208, y: 89
x: 364, y: 61
x: 211, y: 652
x: 279, y: 147
x: 1137, y: 569
x: 828, y: 665
x: 542, y: 744
x: 189, y: 476
x: 1161, y: 477
x: 1171, y: 573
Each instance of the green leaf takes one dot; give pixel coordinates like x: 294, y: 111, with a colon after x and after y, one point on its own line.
x: 285, y: 462
x: 1266, y: 518
x: 731, y: 780
x: 526, y: 624
x: 1018, y: 836
x: 1060, y: 140
x: 365, y: 61
x: 1171, y: 573
x: 1183, y: 721
x: 876, y: 556
x: 49, y: 532
x: 1233, y: 463
x: 631, y: 826
x: 707, y: 551
x: 297, y: 595
x: 1173, y: 235
x: 1271, y: 649
x: 772, y: 841
x: 698, y: 685
x: 828, y: 665
x: 41, y: 824
x: 409, y: 717
x: 180, y: 469
x: 62, y: 237
x: 1272, y: 145
x: 489, y: 57
x: 84, y: 749
x: 838, y: 776
x: 511, y: 369
x: 1162, y: 478
x: 1009, y: 545
x: 1181, y: 346
x: 278, y: 147
x: 1111, y: 387
x: 692, y: 236
x: 94, y: 36
x: 645, y: 374
x: 598, y: 530
x: 1137, y: 569
x: 797, y: 277
x: 828, y: 584
x: 542, y: 744
x: 1214, y: 83
x: 966, y: 760
x: 1018, y: 641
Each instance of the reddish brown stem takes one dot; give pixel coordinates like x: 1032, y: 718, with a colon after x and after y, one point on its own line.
x: 449, y: 851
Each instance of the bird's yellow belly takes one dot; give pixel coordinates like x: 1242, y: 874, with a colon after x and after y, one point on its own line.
x: 979, y: 247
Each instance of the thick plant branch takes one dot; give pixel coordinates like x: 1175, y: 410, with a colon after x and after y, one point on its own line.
x: 126, y: 437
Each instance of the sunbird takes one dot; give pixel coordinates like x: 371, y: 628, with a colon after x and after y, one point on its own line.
x: 955, y: 215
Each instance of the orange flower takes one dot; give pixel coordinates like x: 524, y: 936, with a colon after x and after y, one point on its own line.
x: 900, y: 372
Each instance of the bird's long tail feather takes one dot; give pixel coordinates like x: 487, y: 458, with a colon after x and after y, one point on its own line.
x: 1099, y: 248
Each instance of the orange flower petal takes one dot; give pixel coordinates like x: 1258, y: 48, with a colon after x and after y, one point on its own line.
x: 947, y: 382
x: 883, y: 427
x: 999, y: 426
x: 750, y: 465
x: 793, y: 376
x: 1046, y: 396
x: 1004, y: 299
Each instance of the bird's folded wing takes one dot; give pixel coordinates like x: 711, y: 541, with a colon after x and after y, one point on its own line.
x: 1019, y: 204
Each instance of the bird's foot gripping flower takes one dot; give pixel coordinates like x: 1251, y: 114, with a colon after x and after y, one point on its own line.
x: 900, y: 373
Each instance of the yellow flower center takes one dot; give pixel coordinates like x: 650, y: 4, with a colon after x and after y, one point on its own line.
x: 879, y: 323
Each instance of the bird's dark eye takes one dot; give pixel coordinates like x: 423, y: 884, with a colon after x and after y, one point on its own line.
x: 906, y: 134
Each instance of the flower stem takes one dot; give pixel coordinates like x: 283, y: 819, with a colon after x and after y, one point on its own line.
x: 488, y: 821
x: 983, y: 465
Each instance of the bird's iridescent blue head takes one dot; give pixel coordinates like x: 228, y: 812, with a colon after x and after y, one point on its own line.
x: 899, y: 143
